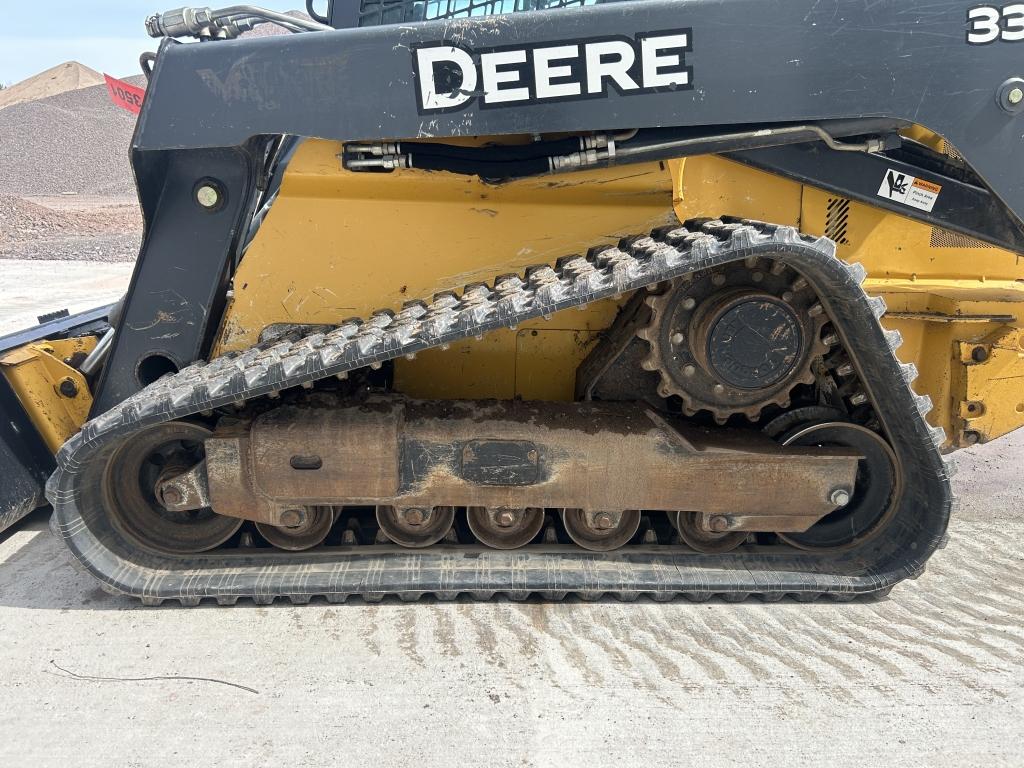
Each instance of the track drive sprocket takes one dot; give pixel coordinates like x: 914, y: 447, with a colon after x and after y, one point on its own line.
x: 735, y: 339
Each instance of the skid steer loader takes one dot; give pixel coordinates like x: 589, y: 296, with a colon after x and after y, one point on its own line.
x: 442, y: 297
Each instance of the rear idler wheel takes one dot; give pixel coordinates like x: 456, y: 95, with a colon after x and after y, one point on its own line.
x: 130, y: 484
x: 309, y: 529
x: 504, y: 528
x: 601, y: 531
x: 415, y: 527
x: 706, y: 542
x: 878, y: 487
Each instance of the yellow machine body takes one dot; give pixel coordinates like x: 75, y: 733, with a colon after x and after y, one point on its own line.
x: 338, y: 244
x: 55, y: 395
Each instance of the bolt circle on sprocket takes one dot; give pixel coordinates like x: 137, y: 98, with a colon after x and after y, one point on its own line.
x: 735, y: 340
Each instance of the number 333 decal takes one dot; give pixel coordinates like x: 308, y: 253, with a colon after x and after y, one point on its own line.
x: 990, y: 23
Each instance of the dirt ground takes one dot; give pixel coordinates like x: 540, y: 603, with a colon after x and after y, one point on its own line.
x: 72, y: 285
x: 931, y: 676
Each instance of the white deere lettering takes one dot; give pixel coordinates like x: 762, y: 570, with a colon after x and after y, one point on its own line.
x: 534, y: 74
x: 664, y: 53
x: 495, y: 78
x: 426, y: 61
x: 545, y: 71
x: 610, y: 60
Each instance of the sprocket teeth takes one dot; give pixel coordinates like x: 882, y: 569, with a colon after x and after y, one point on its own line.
x: 660, y: 306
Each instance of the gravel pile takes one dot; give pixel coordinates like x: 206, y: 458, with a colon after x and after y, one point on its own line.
x: 22, y: 220
x: 96, y: 233
x: 68, y: 76
x: 69, y: 145
x: 74, y: 142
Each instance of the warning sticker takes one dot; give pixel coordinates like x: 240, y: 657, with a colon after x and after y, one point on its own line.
x: 909, y: 190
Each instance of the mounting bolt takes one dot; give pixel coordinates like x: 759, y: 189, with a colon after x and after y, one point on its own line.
x: 505, y: 519
x: 689, y: 303
x: 292, y: 518
x: 170, y: 494
x: 979, y: 354
x: 414, y: 516
x: 678, y: 338
x: 1010, y: 95
x: 972, y: 438
x: 209, y: 196
x: 68, y: 388
x: 719, y: 523
x: 603, y: 521
x: 840, y: 497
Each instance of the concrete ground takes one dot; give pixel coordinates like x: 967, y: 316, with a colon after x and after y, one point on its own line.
x: 931, y: 676
x: 72, y: 285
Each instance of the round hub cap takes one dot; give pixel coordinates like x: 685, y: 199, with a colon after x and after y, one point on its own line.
x: 755, y: 342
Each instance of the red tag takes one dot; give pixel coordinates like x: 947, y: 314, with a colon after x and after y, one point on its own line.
x: 125, y: 95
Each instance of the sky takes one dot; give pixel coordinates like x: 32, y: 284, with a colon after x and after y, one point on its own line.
x: 107, y: 35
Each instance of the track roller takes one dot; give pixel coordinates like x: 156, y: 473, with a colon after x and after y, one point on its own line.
x: 601, y: 531
x: 502, y: 528
x: 706, y: 542
x: 310, y: 528
x: 415, y: 527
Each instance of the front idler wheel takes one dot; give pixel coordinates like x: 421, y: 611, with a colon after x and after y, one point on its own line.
x: 601, y: 531
x: 130, y: 489
x: 504, y: 528
x: 307, y: 527
x: 415, y: 527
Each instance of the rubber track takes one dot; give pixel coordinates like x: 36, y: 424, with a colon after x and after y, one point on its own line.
x: 875, y: 566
